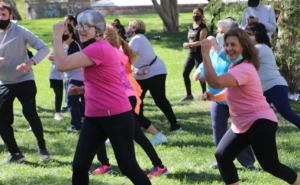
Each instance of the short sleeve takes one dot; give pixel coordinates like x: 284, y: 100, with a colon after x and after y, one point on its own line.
x: 241, y: 73
x: 134, y: 44
x: 95, y: 53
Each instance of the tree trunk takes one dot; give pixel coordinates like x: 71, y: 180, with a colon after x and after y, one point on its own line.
x: 287, y: 50
x: 168, y: 12
x: 14, y: 9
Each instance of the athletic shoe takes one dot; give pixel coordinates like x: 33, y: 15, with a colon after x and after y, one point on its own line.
x: 103, y: 169
x: 58, y: 117
x: 156, y: 171
x: 107, y: 142
x: 29, y: 129
x: 44, y: 155
x: 214, y: 165
x: 250, y: 167
x: 187, y: 98
x: 175, y: 127
x: 158, y: 139
x: 14, y: 158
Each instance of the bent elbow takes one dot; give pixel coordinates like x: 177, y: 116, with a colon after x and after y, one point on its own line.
x: 60, y: 68
x: 215, y: 85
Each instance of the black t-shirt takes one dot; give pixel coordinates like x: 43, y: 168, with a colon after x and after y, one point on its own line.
x: 73, y: 47
x: 193, y: 36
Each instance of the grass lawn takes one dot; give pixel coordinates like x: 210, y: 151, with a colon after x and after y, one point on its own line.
x: 187, y: 154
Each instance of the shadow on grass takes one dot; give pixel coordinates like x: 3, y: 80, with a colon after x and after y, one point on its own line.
x: 193, y: 178
x: 48, y: 164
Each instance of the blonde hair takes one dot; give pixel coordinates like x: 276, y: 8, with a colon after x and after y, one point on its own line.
x: 138, y: 24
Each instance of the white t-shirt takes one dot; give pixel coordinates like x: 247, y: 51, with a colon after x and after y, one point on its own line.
x: 141, y: 45
x: 268, y: 70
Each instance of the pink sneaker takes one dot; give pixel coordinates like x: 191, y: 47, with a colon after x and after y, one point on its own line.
x: 103, y: 169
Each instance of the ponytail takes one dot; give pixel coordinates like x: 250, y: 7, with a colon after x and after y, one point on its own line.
x: 130, y: 53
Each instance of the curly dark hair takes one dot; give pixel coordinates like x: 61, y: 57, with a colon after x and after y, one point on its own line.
x: 260, y: 31
x: 249, y: 52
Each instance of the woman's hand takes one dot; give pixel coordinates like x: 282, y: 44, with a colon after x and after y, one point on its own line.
x: 207, y: 96
x: 197, y: 75
x: 75, y: 90
x: 186, y: 44
x: 50, y: 57
x: 205, y: 47
x: 59, y: 28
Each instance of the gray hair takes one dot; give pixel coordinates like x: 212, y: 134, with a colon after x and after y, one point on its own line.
x: 93, y: 18
x: 228, y: 23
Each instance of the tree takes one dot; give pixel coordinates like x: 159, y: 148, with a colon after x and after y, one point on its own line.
x: 14, y: 9
x: 168, y: 12
x: 287, y: 50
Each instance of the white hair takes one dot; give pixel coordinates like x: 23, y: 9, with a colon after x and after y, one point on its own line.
x: 92, y: 18
x: 228, y: 23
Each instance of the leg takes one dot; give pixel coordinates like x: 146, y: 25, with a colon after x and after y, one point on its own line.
x: 58, y: 91
x: 102, y: 155
x: 282, y: 104
x: 188, y: 67
x: 157, y: 88
x: 198, y: 60
x: 74, y: 107
x: 229, y: 147
x: 143, y: 121
x: 92, y: 136
x: 7, y: 117
x: 262, y: 136
x: 120, y: 130
x: 26, y: 96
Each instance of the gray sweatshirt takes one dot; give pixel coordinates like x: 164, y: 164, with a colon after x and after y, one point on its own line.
x: 265, y: 15
x: 13, y: 48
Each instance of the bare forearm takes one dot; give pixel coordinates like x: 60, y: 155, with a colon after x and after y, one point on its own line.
x: 210, y: 74
x: 220, y: 97
x: 58, y: 53
x: 195, y: 44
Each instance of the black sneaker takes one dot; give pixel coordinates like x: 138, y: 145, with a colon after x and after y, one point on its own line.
x: 44, y: 155
x: 14, y: 158
x: 175, y: 127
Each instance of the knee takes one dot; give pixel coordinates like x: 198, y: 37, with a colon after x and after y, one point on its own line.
x: 221, y: 155
x: 270, y: 167
x: 185, y: 74
x: 80, y: 167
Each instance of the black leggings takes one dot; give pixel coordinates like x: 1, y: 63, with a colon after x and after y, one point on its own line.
x: 25, y: 92
x: 57, y: 86
x: 192, y: 60
x: 262, y: 138
x: 94, y: 131
x: 139, y: 137
x: 157, y: 87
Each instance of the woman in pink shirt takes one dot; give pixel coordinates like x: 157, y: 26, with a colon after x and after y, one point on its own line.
x: 253, y: 121
x: 108, y: 110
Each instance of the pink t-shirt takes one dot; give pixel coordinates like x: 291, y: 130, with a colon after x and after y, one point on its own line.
x: 104, y: 92
x: 123, y: 61
x: 246, y: 101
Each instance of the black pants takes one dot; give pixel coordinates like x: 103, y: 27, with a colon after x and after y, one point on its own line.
x: 157, y: 87
x: 262, y: 138
x: 58, y: 88
x: 25, y: 92
x: 94, y: 131
x: 192, y: 60
x: 139, y: 137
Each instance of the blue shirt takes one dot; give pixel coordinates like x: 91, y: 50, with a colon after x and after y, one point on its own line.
x: 220, y: 64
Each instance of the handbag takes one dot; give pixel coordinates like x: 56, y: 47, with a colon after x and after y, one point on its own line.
x: 144, y: 69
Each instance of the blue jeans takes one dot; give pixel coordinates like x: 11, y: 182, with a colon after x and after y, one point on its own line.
x: 278, y: 95
x: 219, y: 116
x: 75, y: 107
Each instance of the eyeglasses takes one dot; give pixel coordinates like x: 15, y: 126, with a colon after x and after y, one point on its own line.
x: 83, y: 27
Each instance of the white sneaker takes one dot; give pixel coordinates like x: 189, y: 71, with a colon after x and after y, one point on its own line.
x: 58, y: 117
x: 107, y: 142
x: 158, y: 139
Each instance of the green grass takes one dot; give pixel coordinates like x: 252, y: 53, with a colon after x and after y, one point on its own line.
x: 187, y: 154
